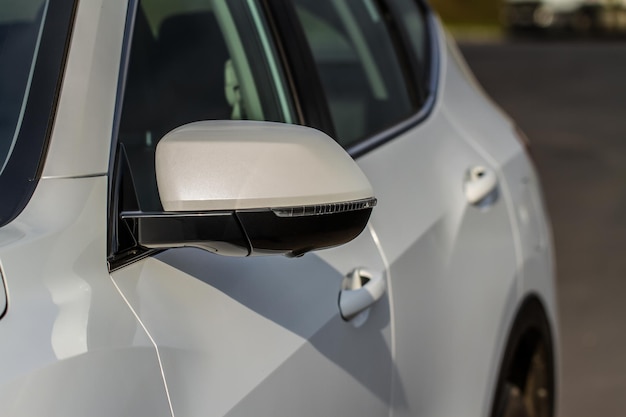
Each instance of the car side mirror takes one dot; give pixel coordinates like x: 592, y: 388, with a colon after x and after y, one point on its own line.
x: 244, y: 188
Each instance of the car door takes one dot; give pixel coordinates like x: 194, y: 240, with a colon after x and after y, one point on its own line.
x: 443, y: 214
x: 445, y: 224
x: 236, y: 336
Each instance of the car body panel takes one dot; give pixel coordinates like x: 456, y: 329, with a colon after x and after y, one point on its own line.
x: 74, y: 338
x: 84, y: 119
x: 484, y: 123
x: 442, y: 297
x: 499, y: 139
x: 186, y: 332
x: 233, y: 333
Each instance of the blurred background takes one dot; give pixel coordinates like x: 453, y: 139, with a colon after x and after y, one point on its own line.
x: 559, y: 69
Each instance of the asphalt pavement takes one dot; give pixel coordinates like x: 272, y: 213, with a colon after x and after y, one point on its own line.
x: 570, y: 99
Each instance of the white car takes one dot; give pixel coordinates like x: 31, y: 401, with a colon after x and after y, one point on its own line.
x: 268, y: 208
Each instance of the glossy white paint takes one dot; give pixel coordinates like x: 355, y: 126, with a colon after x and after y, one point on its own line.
x: 252, y: 165
x: 521, y: 187
x: 444, y: 300
x: 235, y: 335
x: 190, y: 333
x: 483, y: 124
x: 83, y: 127
x: 74, y: 346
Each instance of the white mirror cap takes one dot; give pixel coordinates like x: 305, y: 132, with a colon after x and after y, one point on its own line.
x: 239, y: 165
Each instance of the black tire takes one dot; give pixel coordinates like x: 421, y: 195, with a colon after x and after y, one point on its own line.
x: 526, y: 381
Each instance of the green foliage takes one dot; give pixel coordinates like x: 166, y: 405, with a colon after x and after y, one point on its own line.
x: 467, y: 12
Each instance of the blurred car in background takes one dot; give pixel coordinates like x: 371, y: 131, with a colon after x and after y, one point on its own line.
x: 580, y: 16
x: 185, y: 223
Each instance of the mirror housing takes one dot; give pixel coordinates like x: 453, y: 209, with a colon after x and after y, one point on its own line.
x: 244, y: 188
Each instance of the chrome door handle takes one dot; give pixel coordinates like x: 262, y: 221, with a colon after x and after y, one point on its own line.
x: 360, y: 289
x: 481, y: 186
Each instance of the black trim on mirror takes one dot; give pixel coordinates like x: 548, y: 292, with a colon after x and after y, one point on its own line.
x: 217, y: 232
x: 123, y: 247
x: 295, y: 236
x: 124, y: 186
x: 119, y: 171
x: 246, y: 232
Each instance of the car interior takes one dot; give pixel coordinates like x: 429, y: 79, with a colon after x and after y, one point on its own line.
x: 187, y: 61
x: 170, y: 84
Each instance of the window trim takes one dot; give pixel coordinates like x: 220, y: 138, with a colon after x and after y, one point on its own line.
x: 306, y: 84
x: 372, y: 142
x: 129, y: 26
x: 25, y: 165
x: 297, y: 60
x: 411, y: 62
x: 112, y: 203
x: 114, y: 168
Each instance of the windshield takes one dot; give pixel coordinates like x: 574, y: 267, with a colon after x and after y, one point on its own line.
x: 34, y: 42
x: 20, y: 30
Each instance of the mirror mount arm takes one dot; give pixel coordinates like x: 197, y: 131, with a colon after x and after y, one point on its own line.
x: 122, y: 242
x: 219, y: 232
x: 288, y: 231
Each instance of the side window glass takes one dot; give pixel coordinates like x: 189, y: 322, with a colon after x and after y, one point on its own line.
x: 356, y: 60
x: 413, y: 20
x: 193, y: 60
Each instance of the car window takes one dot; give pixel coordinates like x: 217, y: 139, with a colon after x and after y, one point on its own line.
x: 193, y: 60
x: 20, y: 26
x: 359, y: 69
x: 34, y: 39
x: 413, y: 20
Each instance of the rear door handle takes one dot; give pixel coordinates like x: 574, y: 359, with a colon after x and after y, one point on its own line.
x: 481, y: 186
x: 360, y: 289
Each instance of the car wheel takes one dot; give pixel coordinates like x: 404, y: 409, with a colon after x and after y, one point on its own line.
x: 526, y: 381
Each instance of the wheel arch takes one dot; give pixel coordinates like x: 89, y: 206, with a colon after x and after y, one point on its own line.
x: 530, y: 328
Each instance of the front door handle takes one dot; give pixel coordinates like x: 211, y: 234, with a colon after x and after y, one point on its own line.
x: 360, y: 289
x: 481, y: 186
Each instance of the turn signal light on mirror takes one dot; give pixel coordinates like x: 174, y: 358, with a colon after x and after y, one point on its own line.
x: 333, y: 208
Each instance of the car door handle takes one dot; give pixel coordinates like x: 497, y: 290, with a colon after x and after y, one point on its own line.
x: 481, y: 186
x: 360, y: 289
